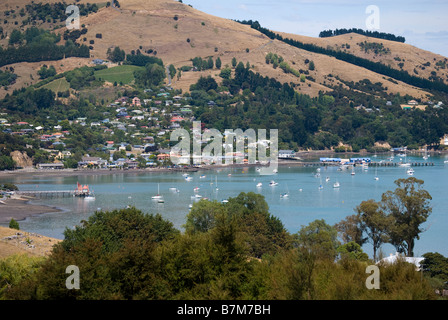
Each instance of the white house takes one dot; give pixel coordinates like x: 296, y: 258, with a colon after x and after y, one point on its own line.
x: 286, y: 153
x: 391, y: 259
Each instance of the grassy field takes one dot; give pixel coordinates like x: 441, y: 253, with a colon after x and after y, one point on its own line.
x: 58, y: 85
x: 123, y: 74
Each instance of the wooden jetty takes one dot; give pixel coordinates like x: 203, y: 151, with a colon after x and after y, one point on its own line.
x: 371, y: 164
x: 80, y: 191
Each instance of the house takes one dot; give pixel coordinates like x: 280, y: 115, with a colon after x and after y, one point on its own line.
x: 131, y: 164
x: 394, y: 258
x: 97, y: 61
x: 413, y: 106
x: 444, y: 140
x: 136, y: 102
x: 50, y: 166
x: 286, y: 153
x: 177, y: 119
x: 92, y: 161
x: 163, y: 157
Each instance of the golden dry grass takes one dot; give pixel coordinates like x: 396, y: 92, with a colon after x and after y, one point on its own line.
x: 26, y: 242
x: 144, y: 25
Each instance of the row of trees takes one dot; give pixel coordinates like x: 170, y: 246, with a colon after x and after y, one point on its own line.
x: 206, y: 64
x: 377, y: 67
x: 368, y: 33
x: 236, y: 250
x: 40, y: 45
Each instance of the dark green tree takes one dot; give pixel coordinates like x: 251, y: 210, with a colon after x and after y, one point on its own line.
x: 408, y: 205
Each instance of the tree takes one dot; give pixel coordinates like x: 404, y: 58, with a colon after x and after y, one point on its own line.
x: 13, y: 224
x: 350, y: 230
x: 172, y: 70
x: 152, y: 75
x: 234, y: 62
x: 210, y: 63
x: 6, y: 163
x: 15, y: 37
x: 201, y: 217
x: 409, y: 208
x: 226, y: 73
x: 319, y: 238
x: 218, y: 63
x: 436, y: 266
x: 374, y: 223
x: 352, y: 250
x: 116, y: 55
x: 205, y: 83
x: 311, y: 65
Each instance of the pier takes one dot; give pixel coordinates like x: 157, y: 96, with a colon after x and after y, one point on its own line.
x: 80, y: 191
x: 371, y: 164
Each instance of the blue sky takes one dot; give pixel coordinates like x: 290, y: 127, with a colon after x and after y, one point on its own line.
x: 424, y: 24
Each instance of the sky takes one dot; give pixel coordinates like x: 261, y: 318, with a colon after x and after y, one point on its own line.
x: 424, y: 24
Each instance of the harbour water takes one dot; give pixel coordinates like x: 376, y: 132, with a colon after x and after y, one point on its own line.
x: 307, y: 201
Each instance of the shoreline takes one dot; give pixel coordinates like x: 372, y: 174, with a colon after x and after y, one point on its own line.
x: 21, y: 208
x: 304, y: 157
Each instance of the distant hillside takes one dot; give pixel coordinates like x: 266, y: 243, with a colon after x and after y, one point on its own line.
x: 177, y: 33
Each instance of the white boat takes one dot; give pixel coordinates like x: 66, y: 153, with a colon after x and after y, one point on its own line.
x: 157, y: 196
x: 196, y: 189
x: 202, y: 176
x: 188, y: 178
x: 321, y: 187
x: 353, y: 173
x: 284, y: 195
x: 259, y: 185
x: 405, y: 164
x: 275, y: 170
x: 224, y: 201
x: 327, y: 179
x: 336, y: 185
x: 273, y: 183
x: 410, y: 172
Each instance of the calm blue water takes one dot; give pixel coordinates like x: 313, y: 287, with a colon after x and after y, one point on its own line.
x: 302, y: 206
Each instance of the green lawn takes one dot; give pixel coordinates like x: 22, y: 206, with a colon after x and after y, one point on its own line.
x: 124, y: 74
x: 58, y: 85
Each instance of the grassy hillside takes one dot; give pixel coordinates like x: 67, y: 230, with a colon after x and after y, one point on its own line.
x: 58, y: 85
x: 177, y: 33
x: 120, y: 74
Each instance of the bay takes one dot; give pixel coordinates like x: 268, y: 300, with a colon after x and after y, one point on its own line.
x: 306, y: 202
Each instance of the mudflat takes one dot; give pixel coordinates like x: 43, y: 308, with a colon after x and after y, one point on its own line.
x: 19, y: 209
